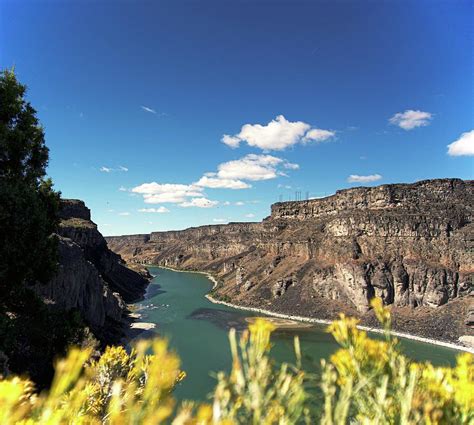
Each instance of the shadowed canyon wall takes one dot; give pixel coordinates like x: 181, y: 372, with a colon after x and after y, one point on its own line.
x: 90, y: 278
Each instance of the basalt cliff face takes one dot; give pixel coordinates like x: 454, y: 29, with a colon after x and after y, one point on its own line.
x: 90, y: 278
x: 410, y: 244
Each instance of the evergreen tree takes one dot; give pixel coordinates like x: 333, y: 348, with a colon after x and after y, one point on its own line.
x: 31, y: 334
x: 28, y: 203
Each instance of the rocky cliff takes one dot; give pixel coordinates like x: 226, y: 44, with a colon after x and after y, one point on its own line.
x: 90, y: 278
x: 410, y: 244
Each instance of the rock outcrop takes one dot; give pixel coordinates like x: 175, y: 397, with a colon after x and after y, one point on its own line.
x: 410, y: 244
x: 90, y: 278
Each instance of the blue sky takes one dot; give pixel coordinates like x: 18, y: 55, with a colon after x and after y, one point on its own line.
x: 207, y: 112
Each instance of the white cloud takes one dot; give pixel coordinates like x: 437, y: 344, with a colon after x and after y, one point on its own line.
x: 232, y: 174
x: 219, y: 220
x: 318, y: 135
x: 124, y: 213
x: 278, y: 134
x: 154, y: 188
x: 355, y: 178
x: 239, y: 203
x: 231, y: 141
x: 110, y: 169
x: 253, y: 167
x: 284, y: 186
x: 411, y: 119
x: 160, y: 210
x: 199, y: 203
x: 147, y: 109
x: 164, y: 198
x: 464, y: 146
x: 157, y: 193
x: 122, y: 189
x: 250, y: 215
x: 212, y: 181
x: 290, y: 166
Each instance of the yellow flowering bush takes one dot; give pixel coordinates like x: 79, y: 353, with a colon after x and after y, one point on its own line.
x: 257, y: 392
x: 119, y: 388
x: 371, y: 382
x: 366, y: 381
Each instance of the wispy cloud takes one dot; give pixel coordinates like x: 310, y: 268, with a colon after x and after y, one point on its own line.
x: 238, y: 203
x: 147, y: 109
x: 250, y: 215
x: 199, y: 203
x: 318, y: 135
x: 355, y: 178
x: 220, y: 220
x: 124, y: 214
x: 159, y: 210
x: 411, y: 119
x: 464, y: 146
x: 105, y: 169
x: 123, y: 189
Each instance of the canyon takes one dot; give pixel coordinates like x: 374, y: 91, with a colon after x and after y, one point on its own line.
x: 410, y: 244
x: 90, y: 278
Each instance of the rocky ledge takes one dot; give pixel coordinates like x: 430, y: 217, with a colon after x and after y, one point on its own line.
x: 91, y: 278
x: 410, y: 244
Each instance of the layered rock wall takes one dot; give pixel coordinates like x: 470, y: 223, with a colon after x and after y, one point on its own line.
x: 90, y: 278
x: 410, y: 244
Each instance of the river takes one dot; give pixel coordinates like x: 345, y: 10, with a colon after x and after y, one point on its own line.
x: 198, y: 329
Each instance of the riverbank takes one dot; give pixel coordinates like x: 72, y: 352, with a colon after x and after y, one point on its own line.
x: 311, y: 319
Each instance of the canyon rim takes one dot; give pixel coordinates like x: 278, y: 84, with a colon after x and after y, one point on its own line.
x: 410, y: 244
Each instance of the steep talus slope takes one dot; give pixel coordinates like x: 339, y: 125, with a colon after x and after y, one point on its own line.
x: 411, y: 244
x: 90, y: 277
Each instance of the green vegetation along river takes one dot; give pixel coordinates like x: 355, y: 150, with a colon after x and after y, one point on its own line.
x: 197, y: 330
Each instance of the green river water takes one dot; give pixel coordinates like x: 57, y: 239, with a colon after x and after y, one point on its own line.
x: 197, y: 330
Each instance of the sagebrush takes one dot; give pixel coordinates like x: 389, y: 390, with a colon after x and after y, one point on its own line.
x: 366, y: 381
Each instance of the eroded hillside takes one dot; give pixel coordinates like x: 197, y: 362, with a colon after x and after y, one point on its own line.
x: 90, y: 278
x: 410, y: 244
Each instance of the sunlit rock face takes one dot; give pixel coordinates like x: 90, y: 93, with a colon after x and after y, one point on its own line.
x: 90, y: 278
x: 410, y: 244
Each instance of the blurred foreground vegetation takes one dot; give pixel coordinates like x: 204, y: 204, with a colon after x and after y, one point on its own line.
x: 366, y: 381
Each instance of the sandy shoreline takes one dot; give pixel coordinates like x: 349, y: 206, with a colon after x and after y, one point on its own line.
x: 145, y: 326
x: 312, y: 320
